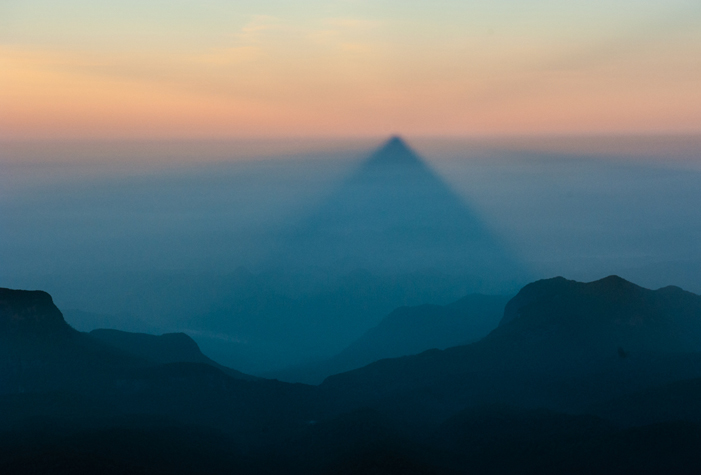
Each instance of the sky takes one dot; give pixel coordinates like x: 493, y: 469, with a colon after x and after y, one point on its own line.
x: 154, y: 69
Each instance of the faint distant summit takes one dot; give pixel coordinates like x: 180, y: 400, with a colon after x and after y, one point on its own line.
x: 395, y: 214
x: 394, y: 148
x: 394, y: 152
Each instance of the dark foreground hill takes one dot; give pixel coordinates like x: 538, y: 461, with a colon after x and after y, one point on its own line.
x: 49, y: 369
x: 562, y: 344
x: 161, y: 349
x: 578, y: 378
x: 40, y: 352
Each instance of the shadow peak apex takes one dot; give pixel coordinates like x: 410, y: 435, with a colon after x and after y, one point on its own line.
x: 394, y: 151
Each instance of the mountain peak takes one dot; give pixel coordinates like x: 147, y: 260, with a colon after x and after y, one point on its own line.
x: 394, y: 213
x: 396, y: 141
x: 613, y: 282
x: 611, y: 302
x: 29, y: 312
x: 395, y: 151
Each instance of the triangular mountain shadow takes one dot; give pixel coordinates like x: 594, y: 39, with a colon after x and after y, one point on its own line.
x: 394, y: 214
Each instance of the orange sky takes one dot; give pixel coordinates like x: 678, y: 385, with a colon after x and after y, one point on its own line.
x: 75, y: 69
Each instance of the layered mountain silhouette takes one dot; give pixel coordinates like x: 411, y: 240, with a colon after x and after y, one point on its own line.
x: 391, y: 234
x: 408, y: 331
x: 596, y: 318
x: 561, y: 343
x: 49, y: 370
x: 161, y: 349
x: 39, y: 351
x: 395, y: 214
x: 586, y: 378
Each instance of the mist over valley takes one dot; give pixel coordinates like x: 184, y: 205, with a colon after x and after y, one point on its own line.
x: 438, y: 308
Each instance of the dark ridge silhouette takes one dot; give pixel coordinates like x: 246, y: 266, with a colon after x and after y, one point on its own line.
x: 407, y: 331
x: 391, y: 234
x: 411, y: 330
x: 293, y: 327
x: 555, y: 332
x: 80, y: 377
x: 161, y: 349
x: 88, y: 321
x: 30, y: 313
x: 394, y: 214
x: 39, y: 351
x: 606, y: 316
x: 546, y: 392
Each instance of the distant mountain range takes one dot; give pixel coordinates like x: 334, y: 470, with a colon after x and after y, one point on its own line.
x: 258, y: 324
x: 561, y: 344
x: 407, y: 331
x: 600, y: 377
x: 390, y: 233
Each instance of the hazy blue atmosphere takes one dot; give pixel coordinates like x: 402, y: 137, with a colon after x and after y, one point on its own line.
x: 394, y: 307
x: 209, y: 238
x: 350, y: 237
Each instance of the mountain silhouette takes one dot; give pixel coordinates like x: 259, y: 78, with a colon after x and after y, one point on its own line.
x: 406, y: 331
x: 554, y: 332
x: 394, y: 214
x: 546, y: 392
x: 606, y: 317
x: 390, y: 234
x: 39, y: 351
x: 28, y: 314
x: 161, y: 349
